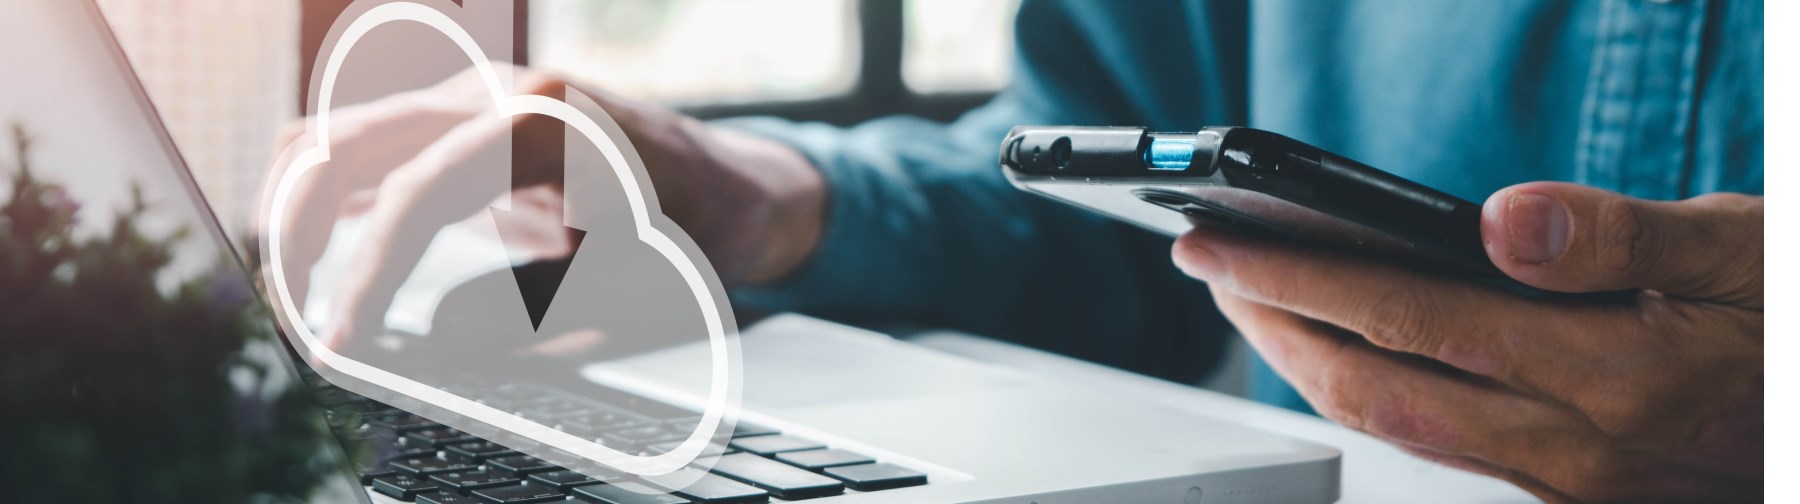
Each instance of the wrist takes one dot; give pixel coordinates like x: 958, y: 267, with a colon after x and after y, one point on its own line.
x: 777, y: 209
x: 795, y: 218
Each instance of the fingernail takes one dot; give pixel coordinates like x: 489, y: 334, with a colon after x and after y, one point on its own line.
x: 1201, y: 262
x: 1537, y: 228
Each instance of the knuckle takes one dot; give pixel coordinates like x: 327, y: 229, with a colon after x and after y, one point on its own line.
x: 1595, y: 476
x: 1400, y: 319
x: 1624, y: 246
x: 540, y: 83
x: 1275, y: 290
x: 1326, y: 389
x: 1410, y: 423
x: 1620, y: 406
x: 1275, y: 284
x: 1637, y: 414
x: 403, y: 182
x: 1329, y: 399
x: 1628, y: 418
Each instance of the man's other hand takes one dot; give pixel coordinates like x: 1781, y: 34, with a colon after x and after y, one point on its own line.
x: 1657, y: 399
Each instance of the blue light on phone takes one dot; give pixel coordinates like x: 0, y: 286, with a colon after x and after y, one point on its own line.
x: 1172, y: 154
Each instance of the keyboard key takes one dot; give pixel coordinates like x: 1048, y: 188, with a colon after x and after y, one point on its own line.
x: 687, y: 423
x: 359, y: 430
x: 635, y: 404
x: 366, y: 407
x: 409, y: 452
x: 480, y: 450
x: 428, y: 466
x: 368, y: 478
x: 710, y: 450
x: 373, y: 465
x: 781, y: 480
x: 636, y: 438
x: 774, y: 443
x: 871, y: 477
x: 520, y: 394
x: 816, y: 460
x: 521, y: 494
x: 465, y: 481
x: 446, y: 497
x: 625, y: 493
x: 386, y: 445
x: 402, y: 487
x: 595, y: 422
x: 745, y: 429
x: 368, y: 473
x: 556, y: 408
x: 401, y: 422
x: 520, y: 464
x: 565, y: 479
x: 710, y: 489
x: 437, y: 438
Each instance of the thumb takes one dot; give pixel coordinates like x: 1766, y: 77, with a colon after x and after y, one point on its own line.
x: 1573, y: 238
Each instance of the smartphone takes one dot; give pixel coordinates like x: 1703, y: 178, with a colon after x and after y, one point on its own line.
x: 1253, y: 181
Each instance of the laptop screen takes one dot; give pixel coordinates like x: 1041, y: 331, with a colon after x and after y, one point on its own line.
x: 136, y: 362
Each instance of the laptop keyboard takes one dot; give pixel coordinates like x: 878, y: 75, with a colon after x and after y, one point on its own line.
x: 411, y: 458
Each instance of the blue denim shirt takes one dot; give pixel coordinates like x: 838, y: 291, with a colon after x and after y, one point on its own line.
x: 1658, y: 99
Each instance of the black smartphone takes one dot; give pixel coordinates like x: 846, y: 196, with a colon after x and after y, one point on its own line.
x: 1253, y: 181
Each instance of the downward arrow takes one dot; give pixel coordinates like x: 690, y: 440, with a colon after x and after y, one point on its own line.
x: 537, y: 280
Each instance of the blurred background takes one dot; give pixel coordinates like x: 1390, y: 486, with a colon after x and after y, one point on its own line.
x: 226, y: 74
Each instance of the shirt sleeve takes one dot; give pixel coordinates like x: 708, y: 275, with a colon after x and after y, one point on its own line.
x: 923, y: 229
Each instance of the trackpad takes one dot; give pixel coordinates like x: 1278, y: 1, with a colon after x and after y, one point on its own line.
x: 796, y: 362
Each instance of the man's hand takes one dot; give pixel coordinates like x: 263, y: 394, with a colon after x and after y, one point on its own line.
x: 1659, y: 399
x: 753, y: 206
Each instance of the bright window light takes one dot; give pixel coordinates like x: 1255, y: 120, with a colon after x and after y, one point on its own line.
x: 687, y: 52
x: 958, y: 45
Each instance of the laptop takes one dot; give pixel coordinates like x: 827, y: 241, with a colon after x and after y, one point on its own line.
x: 829, y: 413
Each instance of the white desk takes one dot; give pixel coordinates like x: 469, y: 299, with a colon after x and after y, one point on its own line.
x: 1374, y: 472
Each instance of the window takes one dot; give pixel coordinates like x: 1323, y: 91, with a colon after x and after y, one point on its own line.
x: 220, y: 73
x: 700, y: 51
x: 957, y: 45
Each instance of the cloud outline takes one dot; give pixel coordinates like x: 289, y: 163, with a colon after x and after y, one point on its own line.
x: 722, y: 391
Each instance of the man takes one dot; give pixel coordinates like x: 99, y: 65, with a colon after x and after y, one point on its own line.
x: 904, y: 220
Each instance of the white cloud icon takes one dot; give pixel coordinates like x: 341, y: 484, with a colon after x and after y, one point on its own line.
x: 723, y: 395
